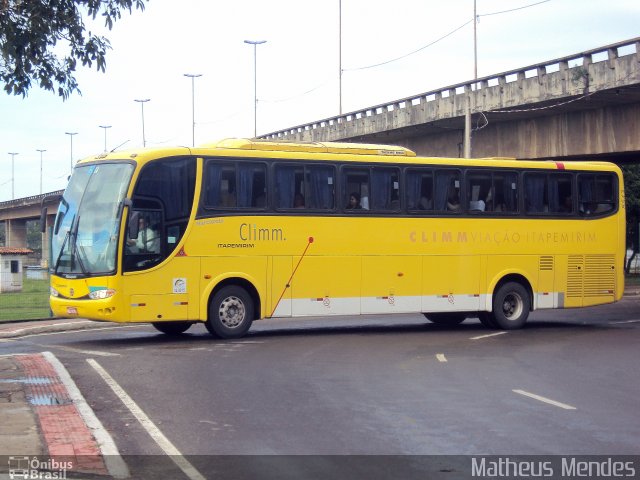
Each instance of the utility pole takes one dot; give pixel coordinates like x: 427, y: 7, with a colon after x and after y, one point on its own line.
x: 71, y: 134
x: 41, y: 151
x: 13, y: 174
x: 193, y: 77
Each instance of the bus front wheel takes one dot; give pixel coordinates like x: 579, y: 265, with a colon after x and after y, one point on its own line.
x: 172, y: 328
x: 511, y: 305
x: 230, y: 312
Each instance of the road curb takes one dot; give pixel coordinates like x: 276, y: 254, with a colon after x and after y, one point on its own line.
x: 17, y: 330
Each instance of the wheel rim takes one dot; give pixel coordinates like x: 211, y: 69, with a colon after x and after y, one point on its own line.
x: 512, y: 306
x: 232, y: 312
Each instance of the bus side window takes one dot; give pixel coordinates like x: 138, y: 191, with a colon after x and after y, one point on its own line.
x: 535, y: 189
x: 356, y: 189
x: 479, y: 194
x: 241, y: 185
x: 504, y: 192
x: 447, y: 191
x: 560, y: 192
x: 419, y: 190
x: 289, y: 186
x: 320, y: 187
x: 220, y: 187
x: 385, y: 194
x: 595, y: 194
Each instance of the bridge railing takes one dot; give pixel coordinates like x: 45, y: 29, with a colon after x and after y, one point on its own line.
x: 562, y: 65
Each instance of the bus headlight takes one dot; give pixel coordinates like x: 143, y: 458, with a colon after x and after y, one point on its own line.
x: 101, y: 294
x: 53, y: 292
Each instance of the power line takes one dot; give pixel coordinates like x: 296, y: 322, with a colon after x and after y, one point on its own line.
x: 443, y: 37
x: 411, y: 53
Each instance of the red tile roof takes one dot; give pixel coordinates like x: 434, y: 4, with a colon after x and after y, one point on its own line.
x: 15, y: 251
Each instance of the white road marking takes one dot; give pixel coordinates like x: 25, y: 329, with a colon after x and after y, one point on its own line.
x: 77, y: 350
x: 545, y: 400
x: 441, y: 357
x: 487, y: 336
x: 112, y: 459
x: 163, y: 442
x: 624, y: 321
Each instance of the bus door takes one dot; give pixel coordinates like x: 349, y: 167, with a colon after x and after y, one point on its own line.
x: 158, y: 290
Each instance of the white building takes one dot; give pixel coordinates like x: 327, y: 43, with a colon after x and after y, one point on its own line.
x: 11, y: 268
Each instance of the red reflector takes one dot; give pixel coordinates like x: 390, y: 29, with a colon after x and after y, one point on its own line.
x: 560, y: 165
x: 181, y: 253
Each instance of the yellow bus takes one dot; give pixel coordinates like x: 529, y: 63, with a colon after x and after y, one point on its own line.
x: 242, y: 230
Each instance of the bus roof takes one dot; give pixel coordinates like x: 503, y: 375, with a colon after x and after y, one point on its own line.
x: 312, y: 147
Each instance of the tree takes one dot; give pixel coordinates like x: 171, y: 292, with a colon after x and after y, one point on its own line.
x: 632, y: 202
x: 32, y: 33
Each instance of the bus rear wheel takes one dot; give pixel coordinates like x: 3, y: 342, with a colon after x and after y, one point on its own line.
x: 486, y: 318
x: 446, y: 318
x: 172, y: 328
x: 230, y: 312
x: 511, y: 305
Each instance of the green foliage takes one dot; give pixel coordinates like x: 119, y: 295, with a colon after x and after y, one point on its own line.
x: 34, y: 236
x: 43, y: 40
x: 632, y: 188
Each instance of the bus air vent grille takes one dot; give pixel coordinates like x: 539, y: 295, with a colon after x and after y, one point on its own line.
x: 546, y: 263
x: 574, y: 276
x: 591, y: 276
x: 599, y: 275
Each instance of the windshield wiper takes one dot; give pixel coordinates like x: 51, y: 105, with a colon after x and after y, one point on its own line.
x: 64, y: 243
x: 75, y: 254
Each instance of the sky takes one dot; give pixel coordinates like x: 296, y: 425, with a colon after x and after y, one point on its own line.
x: 297, y: 69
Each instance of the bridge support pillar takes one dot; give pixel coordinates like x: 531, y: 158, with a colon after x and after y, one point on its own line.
x: 45, y: 261
x: 16, y: 233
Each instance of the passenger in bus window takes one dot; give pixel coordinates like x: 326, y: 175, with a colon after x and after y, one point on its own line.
x: 298, y: 201
x: 453, y: 202
x: 425, y: 203
x: 354, y: 202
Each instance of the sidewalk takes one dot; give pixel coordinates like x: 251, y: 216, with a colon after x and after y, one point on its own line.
x: 45, y: 423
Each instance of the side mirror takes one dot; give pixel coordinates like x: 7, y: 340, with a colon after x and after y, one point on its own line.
x: 134, y: 228
x: 43, y: 219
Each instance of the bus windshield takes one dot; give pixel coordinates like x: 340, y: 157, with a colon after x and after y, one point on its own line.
x: 85, y: 232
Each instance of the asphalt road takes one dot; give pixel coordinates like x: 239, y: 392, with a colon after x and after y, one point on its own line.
x: 568, y: 383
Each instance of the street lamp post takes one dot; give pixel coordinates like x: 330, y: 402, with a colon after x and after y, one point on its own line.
x: 71, y: 134
x: 142, y: 102
x: 340, y: 57
x: 193, y: 77
x: 41, y: 152
x: 105, y: 127
x: 13, y: 192
x: 255, y: 43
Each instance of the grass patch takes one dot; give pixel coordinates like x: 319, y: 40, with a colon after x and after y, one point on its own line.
x: 31, y: 303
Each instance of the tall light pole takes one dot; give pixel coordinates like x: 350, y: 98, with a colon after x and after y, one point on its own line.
x: 71, y: 134
x: 193, y: 77
x: 142, y: 102
x: 105, y: 127
x: 13, y: 176
x: 340, y: 57
x: 41, y: 152
x: 255, y: 43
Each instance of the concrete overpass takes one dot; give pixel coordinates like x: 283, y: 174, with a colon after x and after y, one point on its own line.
x: 16, y: 213
x: 582, y: 105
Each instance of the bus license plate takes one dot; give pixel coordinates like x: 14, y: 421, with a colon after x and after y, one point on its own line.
x: 72, y: 311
